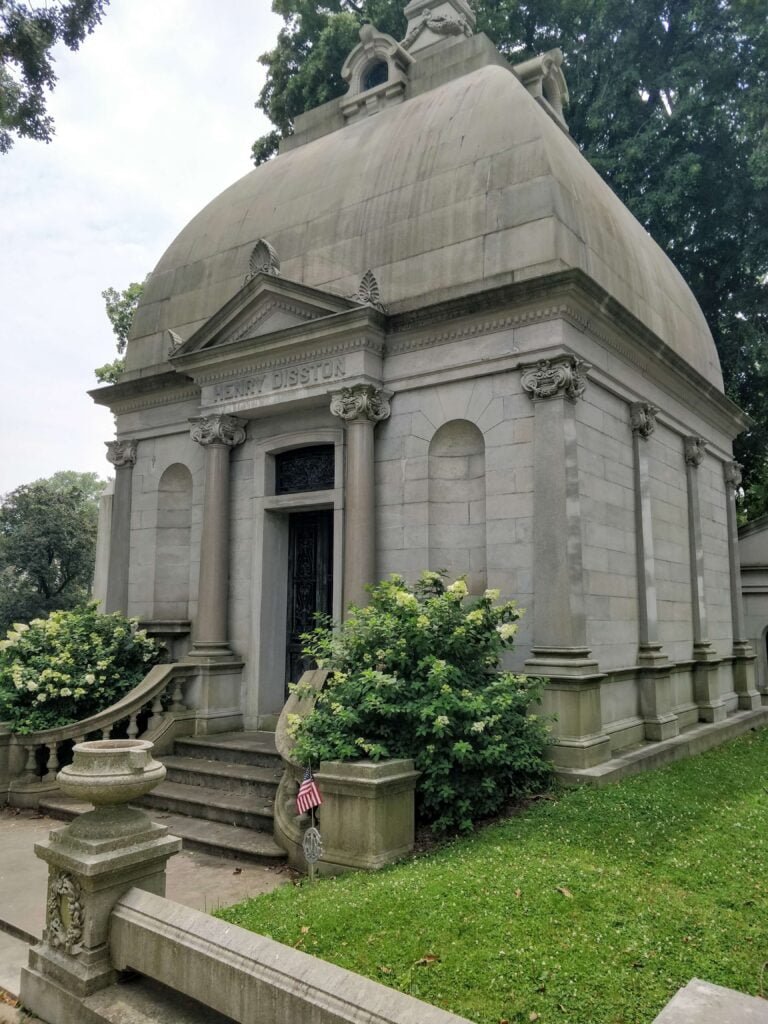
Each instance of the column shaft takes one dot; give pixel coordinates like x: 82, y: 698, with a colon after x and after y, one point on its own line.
x: 122, y: 455
x: 744, y: 657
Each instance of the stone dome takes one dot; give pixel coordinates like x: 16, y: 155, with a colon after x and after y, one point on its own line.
x: 466, y: 185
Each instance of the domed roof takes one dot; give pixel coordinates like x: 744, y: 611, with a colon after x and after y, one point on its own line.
x: 466, y: 186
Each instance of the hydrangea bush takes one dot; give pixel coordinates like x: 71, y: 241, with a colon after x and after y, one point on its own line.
x: 70, y: 665
x: 416, y: 674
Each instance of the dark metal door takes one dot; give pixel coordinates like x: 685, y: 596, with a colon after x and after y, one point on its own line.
x: 310, y: 581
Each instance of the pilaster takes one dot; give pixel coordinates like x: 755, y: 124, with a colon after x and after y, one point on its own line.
x: 744, y: 656
x: 656, y: 700
x: 122, y: 455
x: 559, y: 627
x: 706, y: 671
x: 360, y: 407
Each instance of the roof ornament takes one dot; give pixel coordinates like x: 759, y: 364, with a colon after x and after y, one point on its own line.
x: 543, y: 77
x: 429, y: 21
x: 376, y: 72
x: 368, y: 293
x: 175, y: 341
x: 264, y: 260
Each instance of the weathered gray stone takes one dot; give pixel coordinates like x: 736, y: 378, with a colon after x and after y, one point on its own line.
x: 702, y: 1003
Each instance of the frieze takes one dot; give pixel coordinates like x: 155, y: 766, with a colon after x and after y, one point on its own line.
x: 285, y: 379
x: 642, y: 418
x: 694, y: 449
x: 551, y: 378
x: 206, y: 377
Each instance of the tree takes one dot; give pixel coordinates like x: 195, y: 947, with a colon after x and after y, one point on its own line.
x: 120, y: 308
x: 47, y: 545
x: 28, y: 33
x: 669, y: 101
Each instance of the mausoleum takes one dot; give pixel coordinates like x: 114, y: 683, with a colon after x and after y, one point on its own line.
x: 428, y: 335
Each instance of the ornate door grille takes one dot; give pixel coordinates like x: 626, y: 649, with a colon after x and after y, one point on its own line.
x: 310, y: 581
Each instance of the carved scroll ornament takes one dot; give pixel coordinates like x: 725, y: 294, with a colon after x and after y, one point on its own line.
x: 121, y: 453
x: 732, y: 472
x: 64, y: 913
x: 642, y: 418
x: 363, y: 401
x: 218, y: 429
x: 694, y: 450
x: 551, y: 378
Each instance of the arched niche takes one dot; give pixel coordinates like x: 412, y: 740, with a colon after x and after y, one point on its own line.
x: 172, y: 550
x: 456, y: 519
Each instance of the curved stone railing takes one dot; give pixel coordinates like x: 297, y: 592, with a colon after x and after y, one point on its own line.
x: 45, y: 744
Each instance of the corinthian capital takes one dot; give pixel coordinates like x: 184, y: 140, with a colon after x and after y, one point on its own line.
x: 556, y: 378
x: 642, y: 418
x: 694, y: 450
x: 121, y: 453
x: 732, y: 473
x: 218, y: 429
x: 363, y: 401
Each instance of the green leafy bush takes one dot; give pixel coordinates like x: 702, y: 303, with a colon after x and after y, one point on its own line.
x: 415, y: 674
x: 69, y: 666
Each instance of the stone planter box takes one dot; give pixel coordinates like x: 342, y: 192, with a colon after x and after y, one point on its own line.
x: 367, y: 818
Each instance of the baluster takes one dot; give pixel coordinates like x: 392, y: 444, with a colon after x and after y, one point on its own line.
x: 53, y: 759
x: 29, y: 774
x: 133, y: 726
x: 157, y: 709
x: 178, y: 696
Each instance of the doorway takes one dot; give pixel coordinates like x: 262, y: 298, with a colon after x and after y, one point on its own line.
x: 310, y: 582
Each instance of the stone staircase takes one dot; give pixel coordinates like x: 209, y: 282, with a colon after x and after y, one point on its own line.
x: 218, y: 796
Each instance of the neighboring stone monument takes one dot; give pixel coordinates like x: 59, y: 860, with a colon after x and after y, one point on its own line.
x: 429, y: 336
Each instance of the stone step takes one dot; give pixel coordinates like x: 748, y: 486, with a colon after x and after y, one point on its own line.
x: 215, y: 838
x: 254, y: 748
x: 244, y: 779
x: 212, y: 805
x: 143, y: 1001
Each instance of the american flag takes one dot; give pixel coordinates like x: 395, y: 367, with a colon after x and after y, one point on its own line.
x: 308, y: 795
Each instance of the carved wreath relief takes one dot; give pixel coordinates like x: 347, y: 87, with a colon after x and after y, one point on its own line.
x: 64, y: 913
x: 550, y: 378
x: 440, y: 24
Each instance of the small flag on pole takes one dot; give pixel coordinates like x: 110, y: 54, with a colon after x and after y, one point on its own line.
x: 308, y: 795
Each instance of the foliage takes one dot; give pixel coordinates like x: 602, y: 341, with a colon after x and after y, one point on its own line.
x: 668, y: 101
x: 415, y: 674
x: 28, y: 33
x: 47, y: 545
x: 69, y: 666
x: 120, y: 308
x: 594, y: 907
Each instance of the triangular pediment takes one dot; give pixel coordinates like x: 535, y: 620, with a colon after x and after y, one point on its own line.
x: 264, y: 305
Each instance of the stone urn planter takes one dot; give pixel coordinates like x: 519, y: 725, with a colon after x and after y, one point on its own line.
x: 108, y: 772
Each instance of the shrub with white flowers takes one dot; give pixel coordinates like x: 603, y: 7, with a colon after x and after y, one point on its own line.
x: 416, y: 674
x: 70, y: 665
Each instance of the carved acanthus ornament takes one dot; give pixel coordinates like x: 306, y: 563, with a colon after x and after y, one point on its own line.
x: 64, y: 913
x: 551, y: 378
x: 363, y: 401
x: 175, y: 341
x: 642, y: 418
x: 121, y: 453
x: 218, y: 429
x: 368, y: 293
x: 264, y: 260
x: 732, y: 472
x: 694, y: 450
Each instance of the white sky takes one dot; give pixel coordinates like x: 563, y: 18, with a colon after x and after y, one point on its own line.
x: 154, y: 117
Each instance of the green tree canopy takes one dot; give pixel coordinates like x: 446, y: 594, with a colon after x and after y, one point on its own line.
x: 669, y: 101
x: 28, y: 33
x: 47, y: 545
x: 120, y: 309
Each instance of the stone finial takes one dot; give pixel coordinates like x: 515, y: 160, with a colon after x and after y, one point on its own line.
x: 121, y: 453
x: 565, y: 377
x: 732, y: 474
x: 175, y: 341
x: 642, y: 418
x: 368, y: 293
x: 264, y: 260
x: 218, y: 428
x: 429, y: 21
x: 362, y: 401
x: 694, y: 450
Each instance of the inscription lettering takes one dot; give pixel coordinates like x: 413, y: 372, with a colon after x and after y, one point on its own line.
x: 280, y: 380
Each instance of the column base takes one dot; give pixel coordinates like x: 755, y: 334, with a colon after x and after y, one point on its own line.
x: 744, y: 681
x: 706, y: 692
x: 659, y: 720
x: 210, y: 651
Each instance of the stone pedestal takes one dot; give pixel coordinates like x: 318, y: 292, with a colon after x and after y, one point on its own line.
x: 92, y: 862
x: 367, y: 818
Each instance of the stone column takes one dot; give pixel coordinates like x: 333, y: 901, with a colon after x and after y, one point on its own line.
x: 744, y: 656
x: 655, y: 681
x: 122, y: 455
x: 705, y: 681
x: 218, y: 434
x: 361, y: 407
x: 559, y: 625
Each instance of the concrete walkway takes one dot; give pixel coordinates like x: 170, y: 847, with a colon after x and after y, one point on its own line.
x: 195, y: 879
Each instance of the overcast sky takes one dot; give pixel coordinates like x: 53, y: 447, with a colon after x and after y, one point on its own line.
x: 154, y: 117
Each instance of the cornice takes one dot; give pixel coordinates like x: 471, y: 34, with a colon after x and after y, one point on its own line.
x: 162, y: 388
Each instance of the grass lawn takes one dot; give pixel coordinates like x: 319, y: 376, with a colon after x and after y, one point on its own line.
x: 593, y: 908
